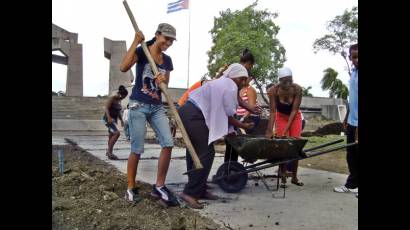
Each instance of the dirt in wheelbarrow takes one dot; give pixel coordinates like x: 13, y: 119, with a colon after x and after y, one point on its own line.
x: 89, y: 195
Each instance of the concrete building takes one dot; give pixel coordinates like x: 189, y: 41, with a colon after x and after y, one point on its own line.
x: 67, y: 43
x: 115, y: 52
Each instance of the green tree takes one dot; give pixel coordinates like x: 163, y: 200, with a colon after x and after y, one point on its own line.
x: 305, y: 92
x: 53, y: 93
x: 252, y: 29
x: 343, y: 31
x: 333, y: 84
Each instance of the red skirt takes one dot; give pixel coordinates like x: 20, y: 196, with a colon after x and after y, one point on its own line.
x: 281, y: 120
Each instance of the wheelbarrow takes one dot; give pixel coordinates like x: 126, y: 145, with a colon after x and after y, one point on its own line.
x: 232, y: 176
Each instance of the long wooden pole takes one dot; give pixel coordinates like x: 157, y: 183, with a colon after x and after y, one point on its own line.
x: 164, y: 88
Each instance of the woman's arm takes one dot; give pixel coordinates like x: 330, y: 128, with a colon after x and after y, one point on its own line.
x: 251, y: 99
x: 243, y: 125
x: 162, y: 78
x: 121, y: 120
x: 272, y: 105
x: 253, y: 109
x: 130, y: 57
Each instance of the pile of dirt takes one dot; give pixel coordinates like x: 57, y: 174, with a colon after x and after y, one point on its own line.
x: 89, y: 195
x: 329, y: 129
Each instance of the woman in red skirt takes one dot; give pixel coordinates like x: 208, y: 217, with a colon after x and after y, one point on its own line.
x: 285, y: 99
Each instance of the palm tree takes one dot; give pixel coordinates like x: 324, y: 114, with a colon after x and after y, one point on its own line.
x: 306, y: 92
x: 333, y: 84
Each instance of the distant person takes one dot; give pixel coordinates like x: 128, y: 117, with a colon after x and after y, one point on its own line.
x: 126, y: 126
x: 285, y: 99
x: 351, y: 123
x: 111, y: 115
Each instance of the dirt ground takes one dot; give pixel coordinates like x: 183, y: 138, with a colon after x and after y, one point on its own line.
x: 89, y: 195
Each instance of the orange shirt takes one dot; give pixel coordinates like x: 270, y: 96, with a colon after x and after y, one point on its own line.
x: 185, y: 96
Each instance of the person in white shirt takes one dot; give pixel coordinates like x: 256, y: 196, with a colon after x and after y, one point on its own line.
x: 208, y: 116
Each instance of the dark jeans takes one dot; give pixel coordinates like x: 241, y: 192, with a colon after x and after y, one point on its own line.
x: 230, y: 153
x: 352, y: 157
x: 198, y: 132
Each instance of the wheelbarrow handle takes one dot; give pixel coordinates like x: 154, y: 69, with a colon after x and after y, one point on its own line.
x: 324, y: 145
x: 330, y: 150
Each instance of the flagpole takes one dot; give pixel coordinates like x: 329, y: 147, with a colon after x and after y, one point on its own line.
x: 189, y: 40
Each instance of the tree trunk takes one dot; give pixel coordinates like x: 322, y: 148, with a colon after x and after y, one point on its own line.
x: 347, y: 63
x: 259, y: 86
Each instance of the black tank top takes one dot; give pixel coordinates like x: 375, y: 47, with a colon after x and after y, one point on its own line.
x: 283, y: 107
x: 114, y: 110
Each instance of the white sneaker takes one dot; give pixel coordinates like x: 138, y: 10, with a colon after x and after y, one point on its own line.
x: 343, y: 189
x: 357, y: 195
x: 132, y: 195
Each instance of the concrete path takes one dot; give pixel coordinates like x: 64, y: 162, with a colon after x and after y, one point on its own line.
x: 313, y: 206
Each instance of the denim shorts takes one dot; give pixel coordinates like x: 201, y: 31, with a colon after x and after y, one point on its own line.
x: 139, y: 113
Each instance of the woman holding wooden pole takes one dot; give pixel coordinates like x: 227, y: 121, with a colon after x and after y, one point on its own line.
x: 145, y: 105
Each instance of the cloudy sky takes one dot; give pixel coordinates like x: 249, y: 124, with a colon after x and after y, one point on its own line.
x: 301, y: 22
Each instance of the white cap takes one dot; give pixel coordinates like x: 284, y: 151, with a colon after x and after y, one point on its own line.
x: 284, y: 72
x: 235, y: 70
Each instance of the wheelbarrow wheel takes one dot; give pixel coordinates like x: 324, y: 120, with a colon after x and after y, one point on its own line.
x: 232, y: 184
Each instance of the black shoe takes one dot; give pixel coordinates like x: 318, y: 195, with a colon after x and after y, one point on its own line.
x: 165, y: 195
x: 132, y: 195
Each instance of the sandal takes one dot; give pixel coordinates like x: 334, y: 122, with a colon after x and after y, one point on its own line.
x: 111, y: 156
x: 297, y: 182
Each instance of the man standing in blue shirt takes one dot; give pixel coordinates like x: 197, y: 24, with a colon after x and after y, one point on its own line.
x: 351, y: 123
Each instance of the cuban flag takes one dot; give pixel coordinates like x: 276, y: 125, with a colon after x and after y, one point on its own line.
x: 178, y: 5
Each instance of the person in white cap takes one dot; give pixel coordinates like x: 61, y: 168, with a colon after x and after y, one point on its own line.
x: 285, y: 99
x: 208, y: 116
